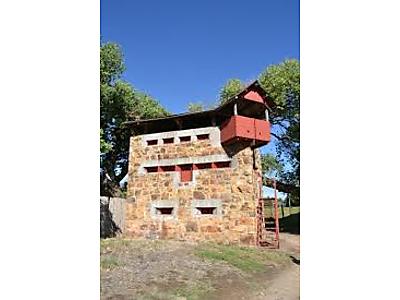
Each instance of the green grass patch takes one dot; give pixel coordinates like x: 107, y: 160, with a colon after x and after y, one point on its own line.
x: 109, y: 262
x: 244, y: 258
x: 283, y: 211
x: 114, y: 243
x: 289, y: 211
x: 197, y: 291
x: 156, y: 295
x: 191, y: 291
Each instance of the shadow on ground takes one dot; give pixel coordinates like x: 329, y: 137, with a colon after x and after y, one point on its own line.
x: 295, y: 260
x: 290, y: 224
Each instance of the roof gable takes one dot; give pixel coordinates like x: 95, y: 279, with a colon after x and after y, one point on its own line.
x: 253, y: 96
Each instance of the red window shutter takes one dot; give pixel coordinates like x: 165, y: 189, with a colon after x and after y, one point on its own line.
x: 186, y: 173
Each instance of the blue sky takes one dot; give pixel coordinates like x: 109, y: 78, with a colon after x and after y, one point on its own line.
x: 182, y: 51
x: 185, y: 51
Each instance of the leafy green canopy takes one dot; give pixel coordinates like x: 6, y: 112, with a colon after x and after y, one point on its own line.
x: 119, y: 102
x: 282, y: 84
x: 195, y: 107
x: 230, y: 89
x: 200, y: 106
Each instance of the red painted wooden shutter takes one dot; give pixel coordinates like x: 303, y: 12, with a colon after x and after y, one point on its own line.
x: 186, y: 173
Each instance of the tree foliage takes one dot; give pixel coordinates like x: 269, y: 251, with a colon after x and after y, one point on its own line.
x: 270, y: 165
x: 282, y: 84
x: 230, y: 89
x: 200, y: 106
x: 195, y: 107
x: 119, y: 102
x: 111, y: 63
x: 104, y: 146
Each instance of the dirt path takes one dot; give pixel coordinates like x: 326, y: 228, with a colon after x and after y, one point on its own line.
x: 171, y: 270
x: 280, y: 284
x: 286, y: 286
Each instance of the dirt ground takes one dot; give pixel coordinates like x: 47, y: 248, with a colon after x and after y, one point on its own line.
x: 143, y: 269
x: 286, y: 284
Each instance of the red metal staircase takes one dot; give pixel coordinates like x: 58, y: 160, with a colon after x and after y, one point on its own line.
x: 268, y: 224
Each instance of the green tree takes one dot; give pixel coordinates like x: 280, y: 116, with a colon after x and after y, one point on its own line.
x: 200, y: 106
x: 195, y: 107
x: 119, y: 102
x: 282, y: 84
x: 270, y: 165
x: 230, y: 89
x: 104, y: 146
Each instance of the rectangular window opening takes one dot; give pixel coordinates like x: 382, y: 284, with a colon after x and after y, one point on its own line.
x: 185, y: 139
x: 152, y: 142
x: 167, y: 168
x: 151, y: 169
x: 164, y: 210
x: 203, y: 166
x: 207, y: 210
x: 222, y: 164
x: 168, y: 141
x: 202, y: 137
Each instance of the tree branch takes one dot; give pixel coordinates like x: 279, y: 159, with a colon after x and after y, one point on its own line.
x: 280, y: 186
x: 280, y: 138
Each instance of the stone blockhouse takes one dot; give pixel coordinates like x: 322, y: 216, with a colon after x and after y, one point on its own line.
x: 197, y: 176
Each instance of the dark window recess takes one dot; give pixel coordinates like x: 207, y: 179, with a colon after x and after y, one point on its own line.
x: 167, y: 168
x: 168, y: 141
x: 164, y: 210
x: 202, y: 137
x: 203, y: 166
x: 152, y: 142
x: 186, y: 173
x: 222, y: 164
x: 207, y: 210
x: 185, y: 138
x: 187, y: 170
x: 151, y: 169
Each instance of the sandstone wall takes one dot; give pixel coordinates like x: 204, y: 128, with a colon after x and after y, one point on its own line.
x: 233, y: 191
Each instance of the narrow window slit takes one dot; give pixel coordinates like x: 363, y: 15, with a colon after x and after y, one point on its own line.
x: 202, y: 137
x: 152, y: 142
x: 168, y: 141
x: 203, y: 166
x: 185, y: 139
x: 167, y: 168
x: 151, y: 169
x: 222, y: 164
x: 207, y: 210
x: 164, y: 210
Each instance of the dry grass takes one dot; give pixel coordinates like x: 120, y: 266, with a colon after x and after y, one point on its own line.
x: 244, y: 258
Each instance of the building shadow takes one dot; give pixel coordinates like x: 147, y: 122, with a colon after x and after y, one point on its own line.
x: 108, y: 228
x: 290, y: 224
x: 234, y: 148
